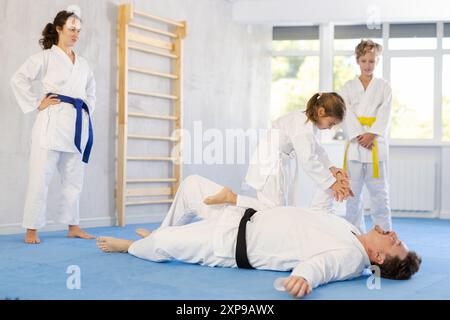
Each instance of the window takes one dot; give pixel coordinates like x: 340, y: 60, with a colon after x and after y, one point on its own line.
x: 446, y: 98
x: 347, y: 37
x: 412, y: 36
x: 295, y: 68
x: 412, y: 97
x: 446, y: 39
x: 295, y: 38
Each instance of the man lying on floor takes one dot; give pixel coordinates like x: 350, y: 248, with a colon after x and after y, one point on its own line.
x: 317, y: 247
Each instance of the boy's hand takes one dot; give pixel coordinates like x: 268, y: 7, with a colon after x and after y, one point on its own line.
x: 366, y: 140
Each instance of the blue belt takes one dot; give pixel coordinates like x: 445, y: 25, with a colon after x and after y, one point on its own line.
x: 79, y: 104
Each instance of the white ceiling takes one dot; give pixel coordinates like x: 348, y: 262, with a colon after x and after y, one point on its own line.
x: 286, y: 12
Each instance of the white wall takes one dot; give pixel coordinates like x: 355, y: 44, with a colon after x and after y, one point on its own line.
x: 226, y: 85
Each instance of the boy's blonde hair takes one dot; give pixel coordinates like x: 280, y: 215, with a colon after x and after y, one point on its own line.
x: 366, y: 46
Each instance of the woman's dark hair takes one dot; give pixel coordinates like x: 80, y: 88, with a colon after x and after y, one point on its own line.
x: 49, y: 34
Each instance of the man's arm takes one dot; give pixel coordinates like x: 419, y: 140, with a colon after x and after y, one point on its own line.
x: 329, y: 266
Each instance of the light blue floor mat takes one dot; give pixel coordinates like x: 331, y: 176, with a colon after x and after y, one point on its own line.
x: 40, y: 271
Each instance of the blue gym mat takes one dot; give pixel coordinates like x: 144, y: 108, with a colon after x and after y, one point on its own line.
x: 40, y: 271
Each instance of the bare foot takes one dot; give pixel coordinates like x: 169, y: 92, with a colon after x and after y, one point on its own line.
x: 226, y: 195
x: 76, y: 232
x: 108, y: 244
x: 142, y: 232
x: 31, y: 237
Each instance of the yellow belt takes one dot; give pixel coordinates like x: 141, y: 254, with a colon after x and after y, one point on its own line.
x: 366, y: 122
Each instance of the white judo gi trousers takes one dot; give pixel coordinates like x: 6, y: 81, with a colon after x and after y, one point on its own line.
x: 361, y: 174
x: 282, y: 188
x: 181, y: 240
x: 42, y: 166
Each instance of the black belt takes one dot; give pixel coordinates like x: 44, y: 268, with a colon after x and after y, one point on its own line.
x: 241, y: 243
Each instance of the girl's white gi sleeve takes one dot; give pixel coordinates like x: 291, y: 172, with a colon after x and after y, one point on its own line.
x: 305, y: 146
x: 323, y: 156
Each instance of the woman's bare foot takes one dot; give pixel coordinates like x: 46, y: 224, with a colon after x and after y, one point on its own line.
x: 224, y: 196
x: 143, y: 233
x: 108, y: 244
x: 76, y: 232
x: 31, y: 237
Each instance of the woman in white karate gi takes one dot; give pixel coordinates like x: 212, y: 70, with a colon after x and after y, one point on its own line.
x: 294, y: 136
x: 61, y: 72
x: 368, y: 101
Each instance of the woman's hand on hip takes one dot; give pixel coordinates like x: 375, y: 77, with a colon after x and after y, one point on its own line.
x: 48, y: 101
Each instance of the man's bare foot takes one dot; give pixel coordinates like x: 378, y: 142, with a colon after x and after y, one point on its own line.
x: 143, y: 233
x: 224, y: 196
x: 76, y: 232
x: 108, y: 244
x: 31, y: 237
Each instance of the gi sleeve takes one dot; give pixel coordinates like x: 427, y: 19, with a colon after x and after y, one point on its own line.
x: 22, y: 80
x: 323, y: 156
x: 380, y: 126
x: 90, y: 92
x: 305, y: 146
x: 330, y: 266
x: 352, y: 126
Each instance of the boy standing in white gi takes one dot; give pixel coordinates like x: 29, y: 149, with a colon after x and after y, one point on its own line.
x: 368, y: 100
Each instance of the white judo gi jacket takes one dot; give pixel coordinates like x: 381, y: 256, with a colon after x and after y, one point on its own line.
x: 375, y: 101
x: 56, y: 124
x: 318, y: 247
x: 291, y: 136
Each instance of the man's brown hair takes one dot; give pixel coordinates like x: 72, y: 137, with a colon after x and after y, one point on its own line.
x: 400, y: 269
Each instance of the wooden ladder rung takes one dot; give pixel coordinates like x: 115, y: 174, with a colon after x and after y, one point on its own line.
x: 151, y: 51
x: 153, y: 94
x: 151, y: 16
x: 152, y: 180
x: 137, y: 203
x: 150, y: 41
x: 144, y: 137
x: 142, y: 158
x: 140, y: 192
x: 153, y: 73
x: 151, y: 116
x: 164, y: 33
